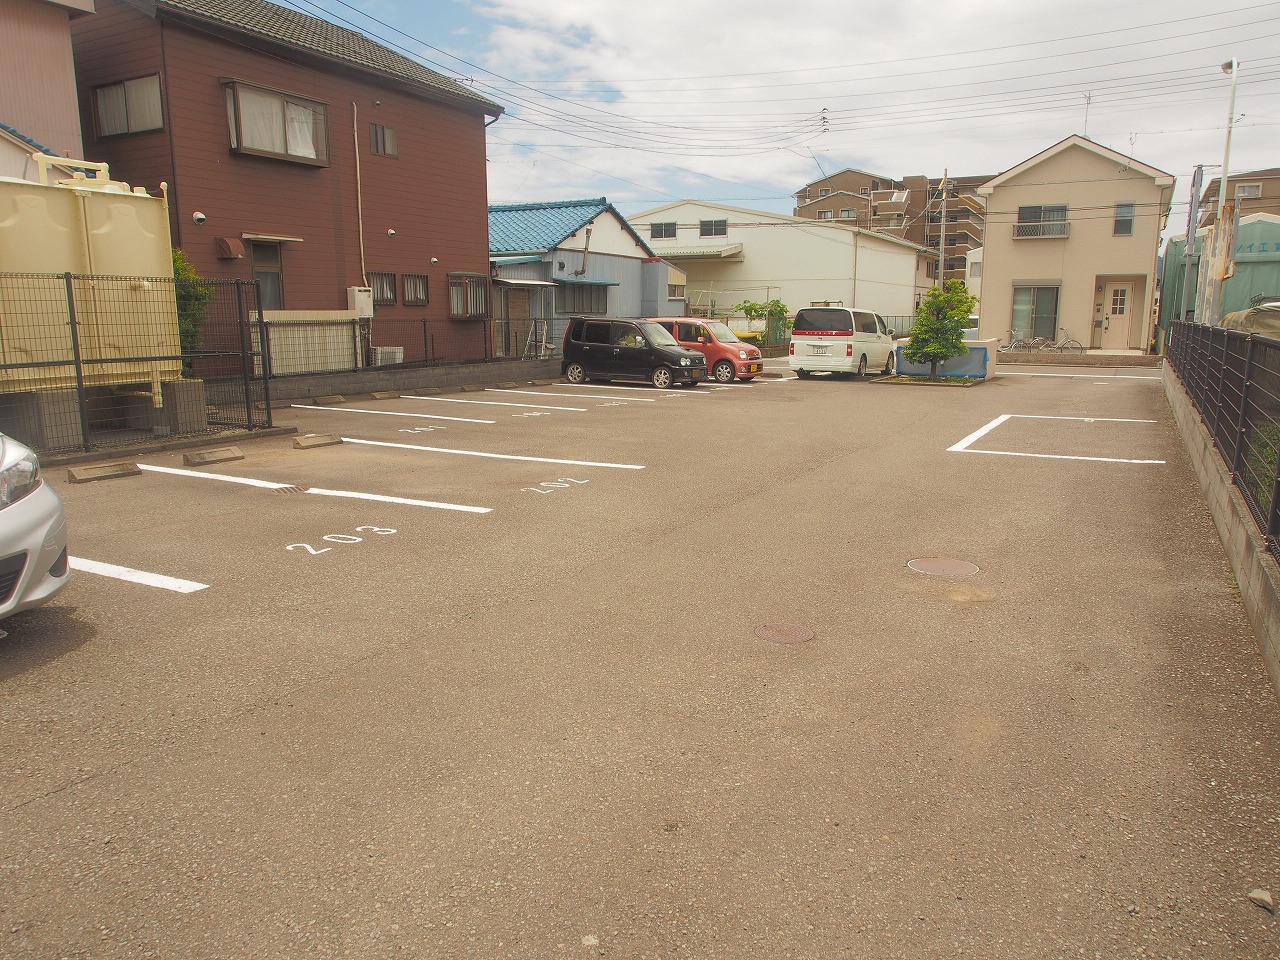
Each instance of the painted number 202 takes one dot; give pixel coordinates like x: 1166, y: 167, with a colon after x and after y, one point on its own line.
x: 343, y: 538
x: 551, y: 486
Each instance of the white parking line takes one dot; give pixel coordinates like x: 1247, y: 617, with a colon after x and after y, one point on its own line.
x: 585, y: 396
x: 135, y: 576
x: 318, y: 491
x: 963, y: 445
x: 1076, y: 376
x: 493, y: 403
x: 389, y: 413
x: 671, y: 391
x: 495, y: 456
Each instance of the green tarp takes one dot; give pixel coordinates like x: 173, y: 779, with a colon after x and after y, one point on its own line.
x: 1257, y: 270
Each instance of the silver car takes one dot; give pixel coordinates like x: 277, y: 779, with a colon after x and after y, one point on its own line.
x: 33, y: 532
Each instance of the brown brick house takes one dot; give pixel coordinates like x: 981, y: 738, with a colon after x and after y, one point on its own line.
x: 298, y: 153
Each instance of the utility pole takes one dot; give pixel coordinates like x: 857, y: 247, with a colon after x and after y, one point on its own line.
x: 942, y: 229
x: 1193, y: 214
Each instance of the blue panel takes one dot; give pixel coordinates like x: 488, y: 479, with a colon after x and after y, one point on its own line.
x: 972, y: 364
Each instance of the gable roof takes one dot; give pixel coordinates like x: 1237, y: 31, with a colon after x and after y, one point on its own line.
x: 527, y: 227
x: 263, y: 21
x: 1075, y: 140
x: 31, y: 146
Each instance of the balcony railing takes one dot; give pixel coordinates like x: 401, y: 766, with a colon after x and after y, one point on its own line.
x: 1041, y: 229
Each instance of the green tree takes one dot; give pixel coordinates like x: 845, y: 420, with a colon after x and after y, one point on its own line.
x: 940, y: 321
x: 772, y: 312
x: 194, y: 294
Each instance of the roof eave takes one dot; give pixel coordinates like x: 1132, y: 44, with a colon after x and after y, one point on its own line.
x: 253, y: 38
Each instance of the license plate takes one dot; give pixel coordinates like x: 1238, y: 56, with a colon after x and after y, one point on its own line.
x: 819, y: 351
x: 753, y: 368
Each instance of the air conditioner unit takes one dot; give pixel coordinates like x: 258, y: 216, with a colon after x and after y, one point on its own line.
x: 360, y: 301
x: 385, y: 356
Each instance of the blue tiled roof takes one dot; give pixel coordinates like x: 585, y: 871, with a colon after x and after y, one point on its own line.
x: 523, y: 227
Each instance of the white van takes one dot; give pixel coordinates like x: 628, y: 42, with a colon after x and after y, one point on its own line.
x: 840, y: 340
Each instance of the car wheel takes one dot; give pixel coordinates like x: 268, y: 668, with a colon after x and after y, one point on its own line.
x: 802, y: 374
x: 888, y: 364
x: 575, y: 373
x: 862, y: 365
x: 723, y: 371
x: 661, y: 377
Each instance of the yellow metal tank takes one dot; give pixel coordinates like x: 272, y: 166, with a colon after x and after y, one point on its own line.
x: 115, y: 242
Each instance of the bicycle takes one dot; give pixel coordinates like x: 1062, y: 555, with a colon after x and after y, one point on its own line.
x: 1025, y: 344
x: 1065, y: 345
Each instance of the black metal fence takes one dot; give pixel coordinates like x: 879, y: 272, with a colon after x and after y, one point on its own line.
x: 88, y: 363
x: 1233, y: 379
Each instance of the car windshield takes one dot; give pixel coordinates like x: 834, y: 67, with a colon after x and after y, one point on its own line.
x: 722, y: 332
x: 657, y: 335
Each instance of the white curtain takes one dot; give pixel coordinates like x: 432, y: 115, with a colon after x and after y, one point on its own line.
x: 261, y: 121
x: 301, y: 130
x: 113, y: 115
x: 142, y: 99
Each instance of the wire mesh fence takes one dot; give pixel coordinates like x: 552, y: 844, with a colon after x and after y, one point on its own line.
x: 1233, y: 379
x: 88, y: 363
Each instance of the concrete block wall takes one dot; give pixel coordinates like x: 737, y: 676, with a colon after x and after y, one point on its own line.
x: 1256, y: 571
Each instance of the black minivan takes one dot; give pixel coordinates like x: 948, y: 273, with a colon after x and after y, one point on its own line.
x: 628, y: 350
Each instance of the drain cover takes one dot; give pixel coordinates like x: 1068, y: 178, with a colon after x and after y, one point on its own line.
x: 942, y: 567
x: 784, y: 633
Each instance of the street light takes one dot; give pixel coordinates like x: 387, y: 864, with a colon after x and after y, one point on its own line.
x: 1232, y: 67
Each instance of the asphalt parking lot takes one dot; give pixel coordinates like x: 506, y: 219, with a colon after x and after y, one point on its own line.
x: 500, y: 676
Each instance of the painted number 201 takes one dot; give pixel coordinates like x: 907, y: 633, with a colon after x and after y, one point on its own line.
x: 343, y: 538
x: 551, y: 486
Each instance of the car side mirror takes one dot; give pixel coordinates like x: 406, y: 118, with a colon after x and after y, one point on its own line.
x: 892, y: 332
x: 702, y: 339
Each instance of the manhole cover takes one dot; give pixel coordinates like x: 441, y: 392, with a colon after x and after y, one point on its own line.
x: 784, y: 633
x: 942, y: 567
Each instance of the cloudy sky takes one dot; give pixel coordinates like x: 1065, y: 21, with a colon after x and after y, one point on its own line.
x: 650, y: 101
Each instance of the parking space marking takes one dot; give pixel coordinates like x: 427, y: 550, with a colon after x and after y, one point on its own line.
x: 318, y: 491
x: 1076, y: 376
x: 493, y: 403
x: 158, y: 580
x: 494, y: 456
x: 963, y: 445
x: 609, y: 386
x: 389, y: 413
x: 587, y: 396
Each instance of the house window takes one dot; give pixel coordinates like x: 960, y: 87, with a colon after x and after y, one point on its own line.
x: 975, y: 269
x: 382, y: 141
x: 1035, y: 312
x: 864, y: 191
x: 1248, y: 191
x: 582, y: 298
x: 267, y: 271
x: 1041, y: 221
x: 675, y: 291
x: 384, y: 288
x: 129, y: 107
x: 846, y: 214
x: 1124, y: 220
x: 468, y: 295
x: 271, y: 124
x: 414, y: 287
x: 824, y: 214
x: 713, y: 228
x: 662, y: 231
x: 824, y: 192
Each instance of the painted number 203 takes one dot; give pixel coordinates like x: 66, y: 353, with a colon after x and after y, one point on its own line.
x: 342, y: 538
x: 551, y: 486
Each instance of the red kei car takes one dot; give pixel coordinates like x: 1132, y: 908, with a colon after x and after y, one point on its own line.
x: 727, y: 356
